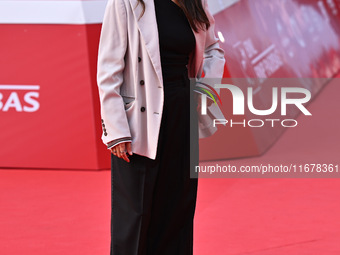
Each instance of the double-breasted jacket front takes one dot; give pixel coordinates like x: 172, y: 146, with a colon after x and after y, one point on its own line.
x: 129, y: 74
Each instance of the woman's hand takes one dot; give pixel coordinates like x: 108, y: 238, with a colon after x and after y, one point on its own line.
x: 199, y: 102
x: 121, y: 149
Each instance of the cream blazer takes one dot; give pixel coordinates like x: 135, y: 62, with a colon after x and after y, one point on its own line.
x: 129, y: 75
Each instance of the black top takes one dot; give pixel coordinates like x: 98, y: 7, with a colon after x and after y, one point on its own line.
x: 176, y: 39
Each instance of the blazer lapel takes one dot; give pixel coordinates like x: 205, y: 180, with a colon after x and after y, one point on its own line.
x: 147, y: 26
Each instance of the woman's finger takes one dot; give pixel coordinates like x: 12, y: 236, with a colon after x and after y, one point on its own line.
x: 122, y: 151
x: 114, y: 150
x: 118, y: 151
x: 129, y: 148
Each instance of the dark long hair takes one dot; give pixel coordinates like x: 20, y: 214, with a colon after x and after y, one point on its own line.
x: 194, y: 11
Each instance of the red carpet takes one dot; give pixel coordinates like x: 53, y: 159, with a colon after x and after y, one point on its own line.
x: 68, y: 212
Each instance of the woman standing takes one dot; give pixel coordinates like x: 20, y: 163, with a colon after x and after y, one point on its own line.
x: 148, y: 50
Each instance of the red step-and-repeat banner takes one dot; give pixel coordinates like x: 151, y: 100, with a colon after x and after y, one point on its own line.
x: 49, y: 108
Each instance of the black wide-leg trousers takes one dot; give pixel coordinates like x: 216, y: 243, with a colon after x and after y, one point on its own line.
x: 153, y: 201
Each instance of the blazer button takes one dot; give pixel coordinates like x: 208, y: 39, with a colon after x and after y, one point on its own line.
x: 142, y: 109
x: 139, y: 59
x: 141, y: 82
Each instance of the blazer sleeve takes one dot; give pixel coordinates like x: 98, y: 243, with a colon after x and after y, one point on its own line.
x: 213, y: 62
x: 213, y: 68
x: 110, y: 73
x: 118, y: 141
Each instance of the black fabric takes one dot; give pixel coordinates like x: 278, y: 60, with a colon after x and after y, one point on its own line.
x: 176, y: 39
x: 153, y: 201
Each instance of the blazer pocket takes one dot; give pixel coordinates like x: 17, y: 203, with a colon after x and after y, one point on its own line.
x: 128, y: 102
